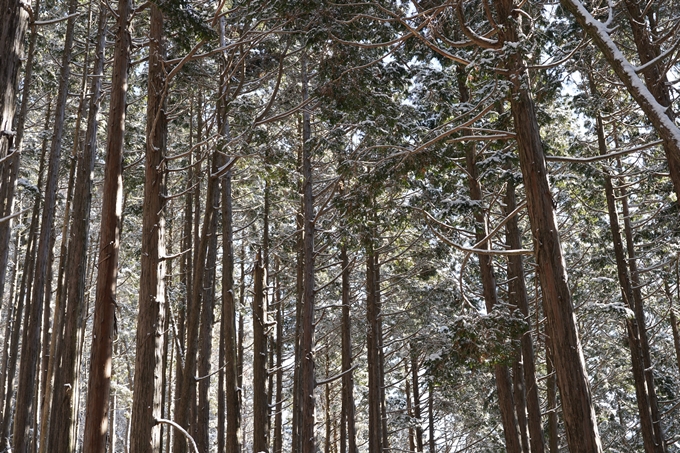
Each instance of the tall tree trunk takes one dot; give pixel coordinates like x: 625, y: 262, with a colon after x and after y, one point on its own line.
x: 518, y: 296
x: 278, y: 402
x: 307, y: 375
x: 675, y: 328
x: 374, y: 356
x: 186, y: 275
x: 22, y: 299
x: 409, y: 409
x: 579, y: 414
x: 511, y: 428
x: 186, y: 406
x: 260, y: 443
x: 14, y: 19
x: 348, y: 428
x: 31, y: 346
x: 229, y: 310
x: 9, y: 158
x: 432, y: 443
x: 207, y: 316
x: 416, y: 398
x: 642, y: 394
x: 101, y: 355
x: 553, y: 437
x: 638, y: 305
x: 655, y: 80
x: 146, y: 398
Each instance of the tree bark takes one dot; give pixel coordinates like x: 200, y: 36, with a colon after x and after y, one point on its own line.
x: 14, y: 19
x: 376, y: 427
x: 31, y: 346
x: 579, y: 415
x: 506, y: 402
x: 23, y: 297
x: 146, y: 399
x: 207, y: 317
x: 101, y: 356
x: 260, y: 443
x: 642, y: 394
x: 348, y: 428
x: 638, y: 305
x: 517, y: 294
x: 307, y: 375
x: 229, y: 310
x: 278, y: 402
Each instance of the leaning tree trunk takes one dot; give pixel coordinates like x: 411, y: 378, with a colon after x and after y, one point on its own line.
x: 650, y: 105
x: 146, y: 398
x: 101, y: 355
x: 579, y: 414
x: 657, y: 83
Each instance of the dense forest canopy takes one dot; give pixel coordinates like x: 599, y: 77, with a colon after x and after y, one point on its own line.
x: 381, y: 226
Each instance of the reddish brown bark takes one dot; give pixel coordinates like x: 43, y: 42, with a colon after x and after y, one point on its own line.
x: 260, y: 434
x: 146, y: 399
x: 101, y: 356
x: 307, y: 374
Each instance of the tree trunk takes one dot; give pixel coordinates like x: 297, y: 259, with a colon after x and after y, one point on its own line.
x: 348, y: 428
x: 579, y: 415
x: 9, y: 169
x: 374, y: 354
x: 642, y: 394
x: 229, y: 310
x: 278, y: 402
x: 655, y: 80
x: 430, y: 419
x: 186, y: 275
x: 674, y: 319
x: 14, y: 19
x: 23, y: 297
x: 101, y: 355
x: 656, y: 112
x: 30, y: 348
x: 638, y: 305
x: 307, y: 375
x: 146, y: 399
x: 506, y: 402
x: 517, y: 294
x: 260, y: 443
x: 553, y: 437
x: 416, y: 398
x: 207, y: 317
